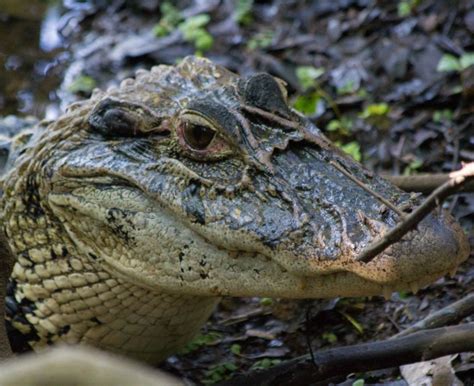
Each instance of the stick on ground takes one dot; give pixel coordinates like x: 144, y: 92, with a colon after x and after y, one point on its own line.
x: 420, y: 346
x: 424, y: 183
x: 452, y: 313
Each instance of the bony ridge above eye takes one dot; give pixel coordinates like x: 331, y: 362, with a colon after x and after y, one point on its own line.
x: 121, y: 118
x: 121, y: 122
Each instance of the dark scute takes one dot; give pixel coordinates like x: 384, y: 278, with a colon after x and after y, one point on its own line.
x: 110, y: 118
x: 217, y: 113
x: 96, y: 119
x: 19, y: 341
x: 64, y: 330
x: 263, y: 91
x: 4, y: 153
x: 193, y: 204
x: 14, y: 311
x: 11, y: 306
x: 122, y: 123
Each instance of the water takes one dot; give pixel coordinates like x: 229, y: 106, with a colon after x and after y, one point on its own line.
x: 31, y: 54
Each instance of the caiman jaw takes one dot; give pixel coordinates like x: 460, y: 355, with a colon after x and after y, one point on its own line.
x: 435, y: 249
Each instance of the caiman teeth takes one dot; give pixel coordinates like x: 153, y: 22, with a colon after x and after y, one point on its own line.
x: 414, y: 287
x: 387, y: 292
x: 452, y: 272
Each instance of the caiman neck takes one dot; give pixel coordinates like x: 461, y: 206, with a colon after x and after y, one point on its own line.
x: 61, y: 295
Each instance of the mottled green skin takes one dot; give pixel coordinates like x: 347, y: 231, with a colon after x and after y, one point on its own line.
x: 125, y: 237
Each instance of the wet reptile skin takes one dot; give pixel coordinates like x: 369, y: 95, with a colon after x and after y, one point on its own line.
x: 131, y: 214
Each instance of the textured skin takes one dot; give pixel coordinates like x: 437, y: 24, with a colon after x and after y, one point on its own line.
x: 126, y: 235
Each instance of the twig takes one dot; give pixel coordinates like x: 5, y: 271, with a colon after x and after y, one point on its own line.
x: 450, y: 314
x: 367, y: 189
x: 456, y: 181
x: 455, y: 137
x: 420, y: 346
x: 308, y: 339
x: 424, y: 183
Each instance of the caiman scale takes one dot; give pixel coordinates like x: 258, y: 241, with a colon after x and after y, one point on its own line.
x: 131, y: 214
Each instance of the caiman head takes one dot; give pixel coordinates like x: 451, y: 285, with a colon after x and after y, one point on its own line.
x: 190, y: 179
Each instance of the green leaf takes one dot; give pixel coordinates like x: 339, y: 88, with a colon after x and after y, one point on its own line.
x: 160, y: 30
x: 189, y: 26
x: 170, y: 13
x: 307, y: 76
x: 348, y: 88
x: 362, y: 92
x: 230, y: 366
x: 466, y: 60
x: 194, y: 32
x: 334, y: 125
x: 341, y: 126
x: 220, y: 372
x: 403, y: 295
x: 443, y: 115
x: 236, y: 349
x: 202, y: 340
x: 307, y: 104
x: 355, y: 323
x: 261, y: 40
x: 330, y: 337
x: 404, y: 9
x: 377, y: 109
x: 243, y: 12
x: 170, y: 17
x: 266, y: 301
x: 456, y: 89
x: 82, y: 84
x: 351, y: 148
x: 447, y: 63
x: 359, y: 382
x: 203, y: 40
x: 412, y: 166
x: 265, y: 363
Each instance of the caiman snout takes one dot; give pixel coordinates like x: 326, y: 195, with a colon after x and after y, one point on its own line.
x: 436, y: 247
x: 344, y: 215
x: 236, y: 194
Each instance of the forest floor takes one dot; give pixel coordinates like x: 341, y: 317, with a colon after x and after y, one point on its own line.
x: 391, y: 82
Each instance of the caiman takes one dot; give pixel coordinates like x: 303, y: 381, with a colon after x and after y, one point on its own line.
x: 135, y: 211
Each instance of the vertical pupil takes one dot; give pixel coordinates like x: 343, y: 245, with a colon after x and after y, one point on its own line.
x: 197, y: 136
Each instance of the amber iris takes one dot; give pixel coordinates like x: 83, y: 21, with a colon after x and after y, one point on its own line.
x: 198, y: 137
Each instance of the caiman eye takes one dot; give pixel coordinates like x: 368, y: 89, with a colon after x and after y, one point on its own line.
x: 198, y: 137
x: 201, y: 137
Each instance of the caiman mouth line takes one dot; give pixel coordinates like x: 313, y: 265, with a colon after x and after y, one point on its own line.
x: 328, y: 285
x: 323, y: 270
x: 330, y: 281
